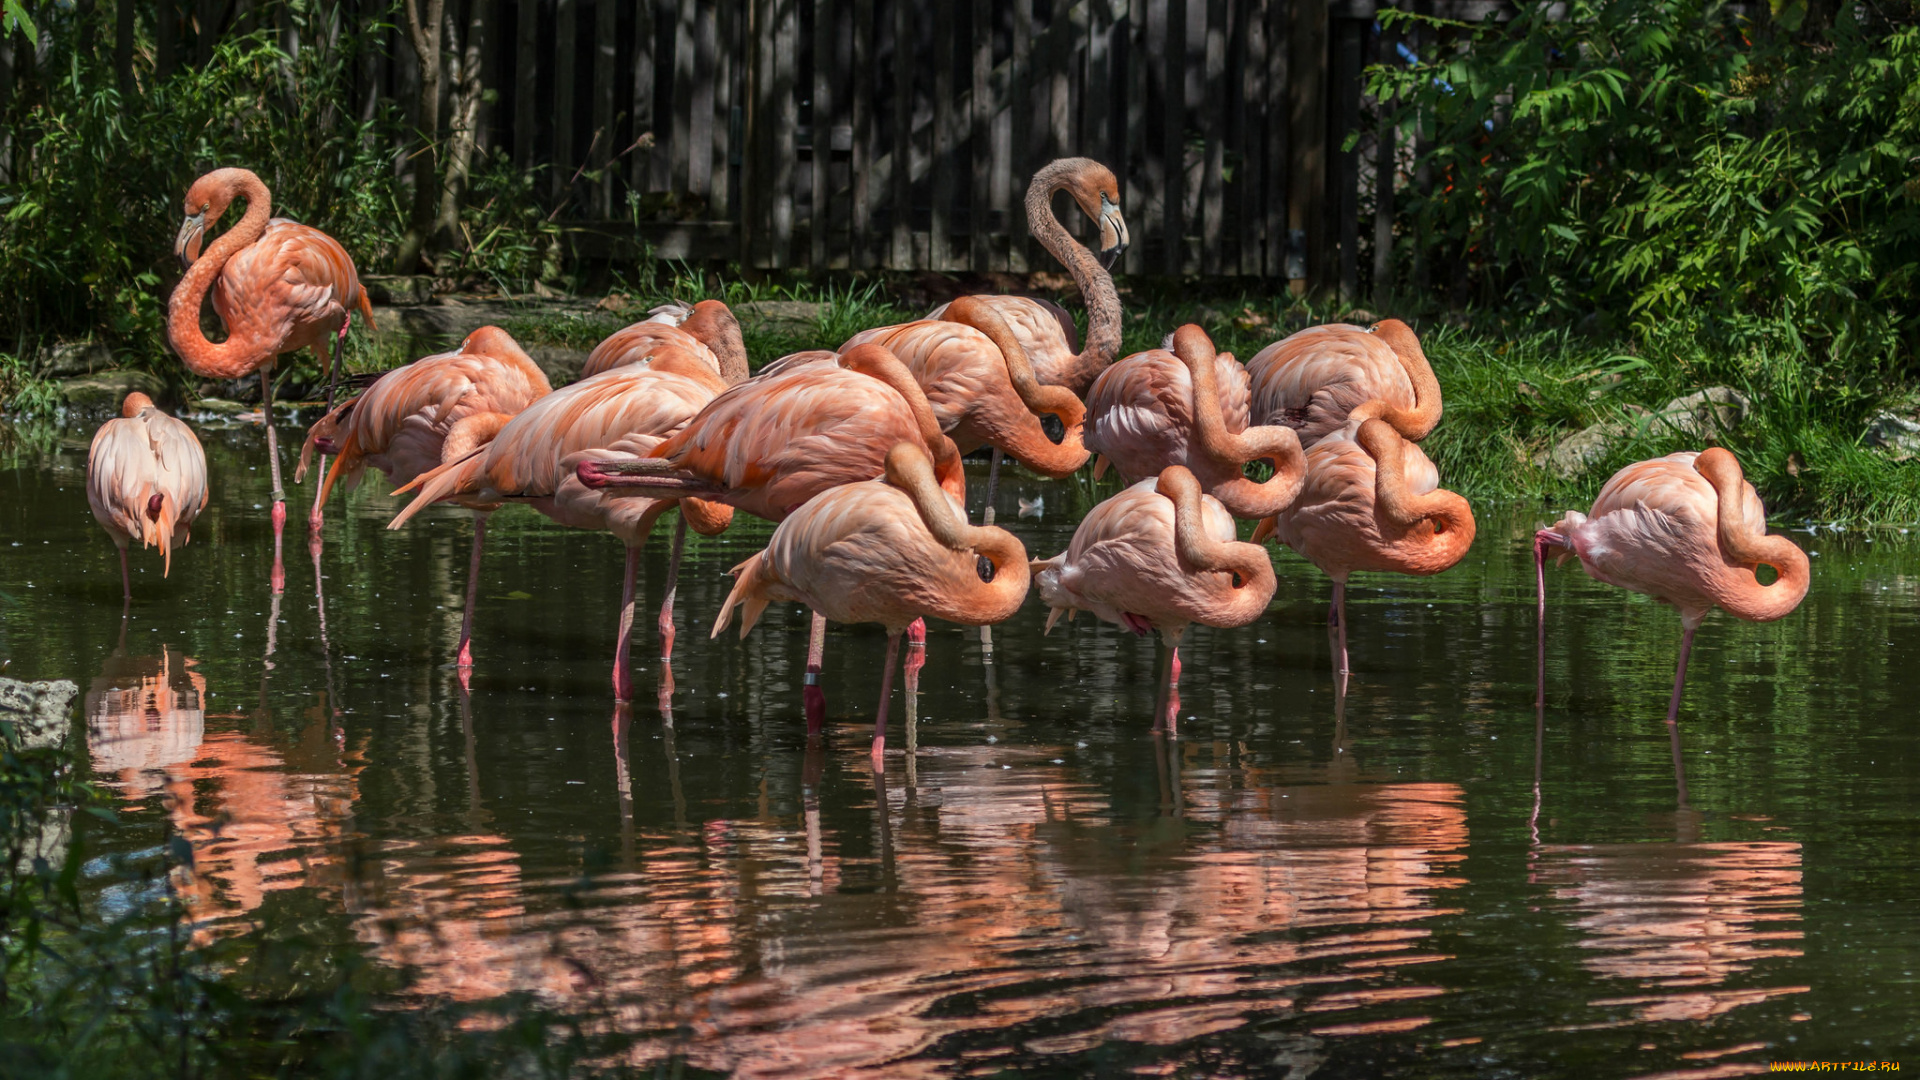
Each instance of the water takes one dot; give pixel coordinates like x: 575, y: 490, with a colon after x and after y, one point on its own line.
x: 1424, y: 878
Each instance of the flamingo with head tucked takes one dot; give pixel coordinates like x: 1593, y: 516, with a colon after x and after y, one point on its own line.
x: 1324, y: 378
x: 707, y: 329
x: 1186, y: 405
x: 415, y: 418
x: 279, y: 287
x: 146, y: 481
x: 1688, y: 530
x: 1159, y: 556
x: 888, y: 551
x: 1372, y: 501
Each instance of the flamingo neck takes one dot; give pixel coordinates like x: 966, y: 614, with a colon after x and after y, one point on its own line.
x: 1744, y: 545
x: 235, y: 356
x: 1092, y: 279
x: 1199, y: 550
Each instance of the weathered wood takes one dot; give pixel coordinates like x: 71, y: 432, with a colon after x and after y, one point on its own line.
x: 1060, y: 57
x: 1173, y: 135
x: 706, y: 84
x: 1020, y: 115
x: 820, y: 137
x: 1213, y: 119
x: 1384, y: 178
x: 900, y: 211
x: 1096, y: 94
x: 680, y: 135
x: 606, y: 46
x: 1345, y: 177
x: 640, y: 163
x: 786, y: 37
x: 861, y: 256
x: 1308, y: 139
x: 944, y: 137
x: 980, y: 135
x: 526, y: 78
x: 1279, y: 137
x: 566, y: 45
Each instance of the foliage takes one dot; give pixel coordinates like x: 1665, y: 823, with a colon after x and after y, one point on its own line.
x: 24, y: 394
x: 1678, y: 166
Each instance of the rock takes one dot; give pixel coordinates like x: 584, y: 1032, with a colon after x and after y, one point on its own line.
x: 1899, y: 436
x: 70, y: 358
x: 217, y: 406
x: 792, y: 317
x: 1704, y: 414
x: 560, y: 365
x: 1698, y: 417
x: 1360, y: 317
x: 447, y: 323
x: 37, y: 711
x: 99, y: 396
x: 398, y: 290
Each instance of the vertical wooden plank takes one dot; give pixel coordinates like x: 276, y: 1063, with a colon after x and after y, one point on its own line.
x: 1422, y: 167
x: 680, y: 146
x: 1345, y: 178
x: 1060, y: 79
x: 1279, y: 134
x: 1136, y: 156
x: 706, y: 80
x: 1173, y: 138
x: 566, y: 30
x: 862, y: 151
x: 661, y: 17
x: 643, y: 76
x: 606, y: 46
x: 1384, y: 178
x: 526, y: 84
x: 1249, y: 43
x: 1213, y: 118
x: 726, y: 64
x: 819, y: 221
x: 1306, y: 191
x: 1096, y: 139
x: 757, y: 92
x: 980, y: 137
x: 940, y: 239
x: 902, y: 202
x: 1020, y: 156
x: 786, y: 38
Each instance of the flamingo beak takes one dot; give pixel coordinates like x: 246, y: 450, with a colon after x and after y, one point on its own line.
x: 1113, y: 234
x: 187, y: 244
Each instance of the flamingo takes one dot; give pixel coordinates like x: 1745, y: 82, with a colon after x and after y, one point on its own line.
x: 279, y: 287
x: 1324, y: 377
x: 1160, y: 555
x: 806, y: 424
x: 887, y: 551
x: 146, y: 481
x: 415, y: 418
x: 707, y: 329
x: 981, y: 386
x: 617, y: 415
x: 1188, y: 407
x: 1372, y: 501
x: 1688, y: 530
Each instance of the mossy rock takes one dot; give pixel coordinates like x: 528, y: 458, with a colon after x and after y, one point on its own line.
x: 99, y: 395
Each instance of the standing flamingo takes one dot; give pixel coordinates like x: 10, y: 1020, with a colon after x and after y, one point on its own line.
x: 415, y: 418
x: 807, y: 424
x: 887, y: 551
x: 707, y: 329
x: 1688, y: 530
x: 1188, y: 407
x: 278, y: 286
x: 146, y: 481
x: 1372, y: 501
x: 1159, y: 556
x: 1324, y: 377
x: 616, y: 415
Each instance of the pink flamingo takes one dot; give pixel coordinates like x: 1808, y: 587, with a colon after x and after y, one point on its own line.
x: 146, y: 481
x: 887, y: 551
x: 1372, y: 501
x: 707, y: 329
x: 1323, y: 378
x: 1160, y: 555
x: 618, y: 415
x: 279, y: 287
x: 1688, y: 530
x: 1188, y: 407
x: 415, y: 418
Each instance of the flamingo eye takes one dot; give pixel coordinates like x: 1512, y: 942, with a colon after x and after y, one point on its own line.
x: 1237, y: 583
x: 983, y: 566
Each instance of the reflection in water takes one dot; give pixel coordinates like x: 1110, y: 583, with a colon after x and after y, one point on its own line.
x: 145, y: 714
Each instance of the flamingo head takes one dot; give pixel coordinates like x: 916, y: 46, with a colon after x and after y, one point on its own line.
x: 135, y: 404
x: 1558, y: 541
x: 206, y: 200
x: 1094, y: 187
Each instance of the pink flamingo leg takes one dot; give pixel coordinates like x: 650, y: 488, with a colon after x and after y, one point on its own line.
x: 1337, y: 627
x: 673, y: 580
x: 1540, y: 620
x: 886, y: 692
x: 279, y: 576
x: 622, y: 678
x: 465, y: 662
x: 329, y: 363
x: 916, y: 653
x: 1166, y: 716
x: 126, y: 581
x: 815, y: 698
x: 1680, y: 676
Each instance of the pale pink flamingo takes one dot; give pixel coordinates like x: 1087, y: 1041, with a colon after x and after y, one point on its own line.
x: 1188, y: 407
x: 806, y: 424
x: 1159, y: 556
x: 416, y: 418
x: 1372, y: 501
x: 888, y: 551
x: 1323, y: 378
x: 616, y: 415
x: 982, y: 388
x: 1688, y: 530
x: 707, y: 329
x: 146, y: 481
x: 279, y: 287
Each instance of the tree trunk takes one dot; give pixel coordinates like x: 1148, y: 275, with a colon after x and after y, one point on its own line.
x: 424, y: 34
x: 468, y: 87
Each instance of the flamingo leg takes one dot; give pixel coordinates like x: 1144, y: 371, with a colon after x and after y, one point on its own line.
x: 916, y: 659
x: 986, y: 518
x: 1167, y: 703
x: 126, y: 583
x: 1680, y: 677
x: 673, y: 580
x: 329, y: 361
x: 811, y: 694
x: 1337, y: 628
x: 1540, y: 621
x: 465, y: 663
x: 279, y: 577
x: 886, y: 692
x: 622, y: 678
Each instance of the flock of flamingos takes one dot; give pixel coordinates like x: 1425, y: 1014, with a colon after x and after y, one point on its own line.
x: 856, y: 454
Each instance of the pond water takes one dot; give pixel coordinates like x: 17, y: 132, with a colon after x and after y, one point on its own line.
x: 1423, y: 877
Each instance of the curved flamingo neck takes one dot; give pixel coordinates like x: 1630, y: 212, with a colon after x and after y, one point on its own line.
x: 1744, y: 542
x: 1200, y: 551
x: 1418, y: 422
x: 235, y: 356
x: 1230, y: 452
x: 909, y: 469
x: 1395, y: 503
x: 878, y: 362
x: 1092, y: 279
x: 713, y: 323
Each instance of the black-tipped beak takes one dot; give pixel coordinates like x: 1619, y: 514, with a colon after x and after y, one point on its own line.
x: 1109, y: 256
x: 1113, y: 234
x: 186, y: 245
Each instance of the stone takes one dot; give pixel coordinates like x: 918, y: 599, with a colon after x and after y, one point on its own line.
x: 792, y: 317
x: 99, y: 396
x: 37, y: 711
x: 1898, y: 436
x: 1699, y: 417
x: 398, y: 290
x: 218, y: 406
x: 70, y: 358
x: 1704, y: 414
x: 561, y: 365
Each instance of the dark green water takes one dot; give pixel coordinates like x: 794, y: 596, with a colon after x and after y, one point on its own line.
x: 1425, y: 879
